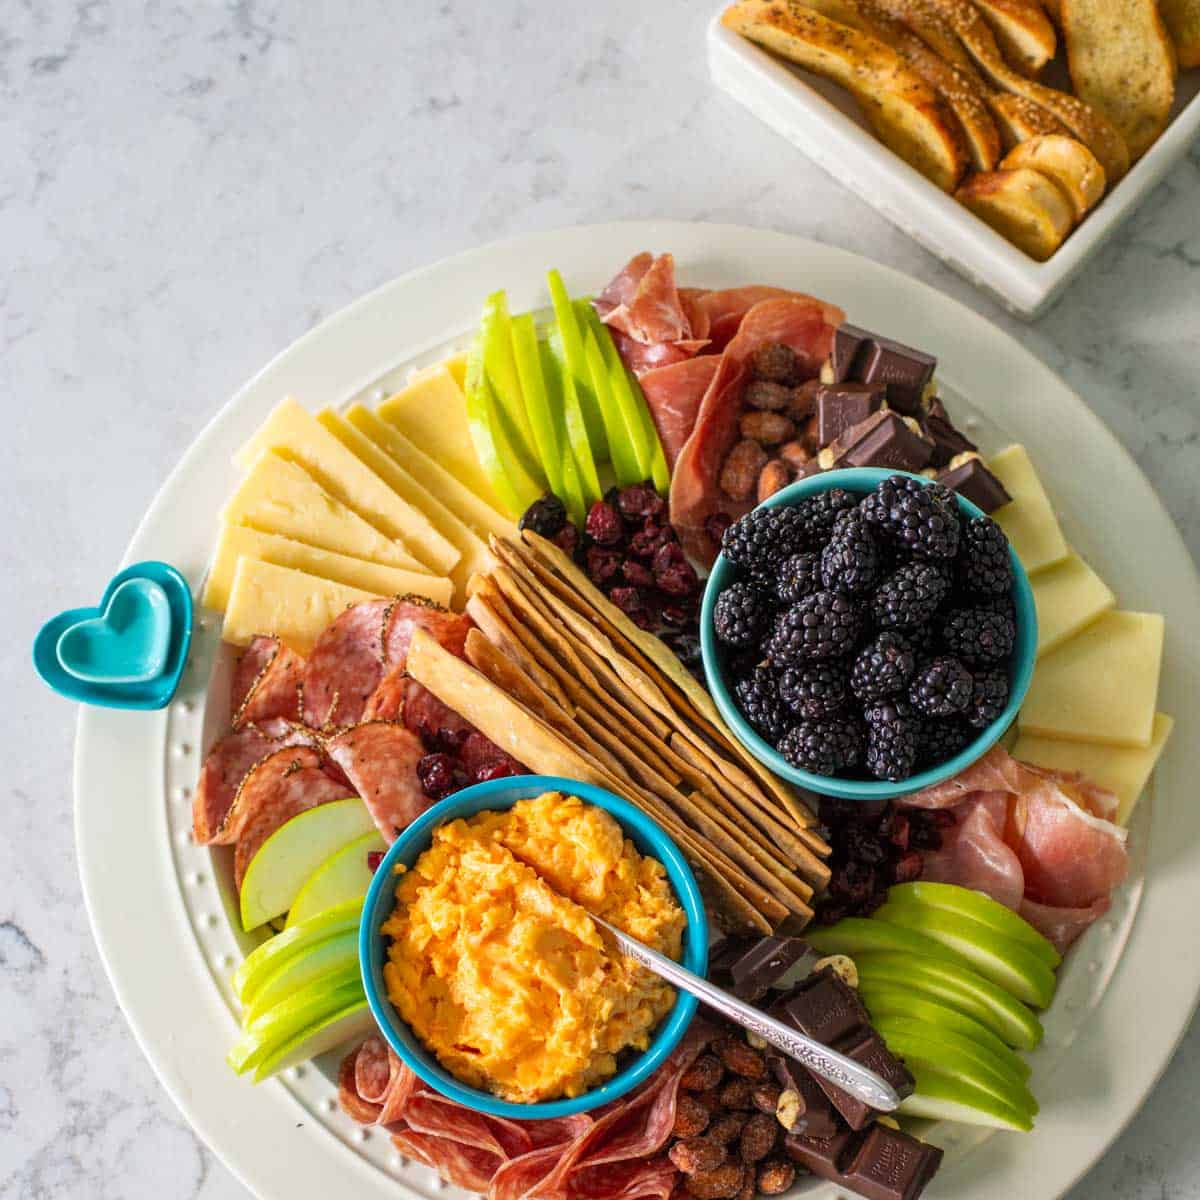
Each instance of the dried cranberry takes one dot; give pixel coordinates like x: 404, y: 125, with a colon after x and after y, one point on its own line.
x: 603, y: 564
x: 628, y: 599
x: 448, y: 740
x: 715, y: 525
x: 567, y: 539
x: 374, y: 858
x: 672, y: 571
x: 604, y: 524
x: 545, y: 516
x: 646, y: 542
x: 639, y: 501
x: 864, y: 847
x: 679, y: 613
x: 437, y: 775
x: 636, y: 574
x: 498, y: 770
x: 908, y: 868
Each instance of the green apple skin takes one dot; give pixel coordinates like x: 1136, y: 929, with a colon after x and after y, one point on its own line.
x: 864, y: 935
x: 887, y: 1000
x: 1001, y: 959
x: 343, y: 876
x: 349, y: 1024
x: 500, y: 366
x: 579, y: 479
x: 291, y: 854
x: 331, y: 956
x: 977, y: 906
x: 942, y: 1097
x: 266, y: 958
x: 958, y: 987
x: 570, y: 340
x: 621, y: 453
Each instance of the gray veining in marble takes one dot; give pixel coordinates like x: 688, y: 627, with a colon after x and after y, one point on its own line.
x: 185, y: 187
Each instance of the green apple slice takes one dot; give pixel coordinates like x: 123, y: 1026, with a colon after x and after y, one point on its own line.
x: 537, y: 403
x: 861, y: 935
x: 291, y: 854
x: 349, y: 1024
x: 341, y: 877
x: 620, y: 449
x: 994, y: 956
x: 943, y: 1097
x: 263, y: 960
x: 500, y: 365
x: 291, y: 1017
x: 978, y: 907
x: 580, y: 483
x: 332, y: 956
x: 958, y: 987
x: 570, y: 340
x: 886, y: 1000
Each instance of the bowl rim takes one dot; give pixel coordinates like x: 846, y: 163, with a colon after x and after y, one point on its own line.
x: 863, y: 480
x: 500, y: 794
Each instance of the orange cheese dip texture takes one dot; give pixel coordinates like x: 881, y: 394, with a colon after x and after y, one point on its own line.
x: 496, y: 965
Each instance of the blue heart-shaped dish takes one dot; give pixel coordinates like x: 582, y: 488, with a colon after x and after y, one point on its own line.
x: 155, y: 692
x: 126, y: 643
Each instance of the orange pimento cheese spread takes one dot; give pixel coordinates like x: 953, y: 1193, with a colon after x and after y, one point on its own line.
x: 496, y: 965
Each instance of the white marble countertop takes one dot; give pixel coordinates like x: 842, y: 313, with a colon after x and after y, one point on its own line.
x: 187, y: 187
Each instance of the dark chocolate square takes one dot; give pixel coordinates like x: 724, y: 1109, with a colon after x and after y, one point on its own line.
x: 887, y: 1164
x: 843, y: 405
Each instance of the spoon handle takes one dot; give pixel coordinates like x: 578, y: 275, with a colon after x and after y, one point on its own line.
x: 852, y: 1077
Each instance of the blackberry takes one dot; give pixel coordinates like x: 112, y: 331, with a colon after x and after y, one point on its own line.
x: 892, y: 737
x: 813, y: 691
x: 916, y: 516
x: 988, y: 698
x: 909, y: 596
x: 888, y: 711
x: 823, y: 747
x: 850, y: 560
x: 758, y: 698
x: 818, y: 514
x: 761, y: 540
x: 740, y: 615
x: 883, y: 667
x: 979, y: 635
x: 546, y: 516
x: 799, y: 576
x: 938, y: 741
x: 941, y: 687
x: 984, y: 563
x: 823, y: 625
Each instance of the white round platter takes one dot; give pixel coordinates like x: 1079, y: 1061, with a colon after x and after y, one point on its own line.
x: 158, y: 904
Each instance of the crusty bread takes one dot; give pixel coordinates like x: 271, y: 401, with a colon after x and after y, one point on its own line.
x: 921, y: 18
x: 1066, y: 161
x: 1021, y: 205
x: 1020, y: 119
x: 959, y: 92
x: 906, y: 114
x: 1025, y: 34
x: 1092, y: 128
x: 1053, y: 10
x: 1183, y: 22
x: 1122, y: 63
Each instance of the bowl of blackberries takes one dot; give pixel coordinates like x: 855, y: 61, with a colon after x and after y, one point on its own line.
x: 867, y: 633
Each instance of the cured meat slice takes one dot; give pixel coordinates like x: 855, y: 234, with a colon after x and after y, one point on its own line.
x: 448, y: 629
x: 430, y: 1113
x: 654, y: 311
x: 266, y: 683
x: 722, y: 311
x: 624, y: 284
x: 387, y: 700
x: 673, y: 394
x: 228, y: 763
x: 345, y: 666
x: 642, y: 357
x: 281, y: 787
x: 801, y: 322
x: 1062, y: 925
x: 633, y: 1179
x: 380, y: 759
x: 456, y: 1162
x: 974, y: 853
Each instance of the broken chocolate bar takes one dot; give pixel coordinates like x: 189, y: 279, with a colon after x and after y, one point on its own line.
x: 865, y: 1047
x: 849, y: 349
x: 973, y: 480
x: 886, y: 443
x: 948, y: 442
x: 815, y: 1116
x: 821, y: 1156
x: 763, y: 965
x: 842, y: 405
x: 905, y: 371
x: 879, y: 1164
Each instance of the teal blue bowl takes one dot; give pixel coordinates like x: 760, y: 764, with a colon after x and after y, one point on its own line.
x: 501, y: 794
x: 863, y: 480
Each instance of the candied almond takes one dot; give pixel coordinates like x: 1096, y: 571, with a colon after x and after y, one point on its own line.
x: 723, y: 1183
x: 727, y: 1126
x: 739, y: 475
x: 775, y: 1176
x: 738, y: 1093
x: 740, y: 1057
x: 691, y: 1116
x: 775, y: 361
x: 710, y: 1098
x: 770, y: 428
x: 794, y: 454
x: 696, y: 1155
x: 758, y: 1138
x: 773, y: 477
x: 704, y: 1073
x: 803, y: 400
x: 767, y: 396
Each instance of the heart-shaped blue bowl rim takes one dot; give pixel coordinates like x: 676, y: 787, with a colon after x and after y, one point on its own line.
x: 152, y: 694
x: 148, y: 609
x: 645, y: 834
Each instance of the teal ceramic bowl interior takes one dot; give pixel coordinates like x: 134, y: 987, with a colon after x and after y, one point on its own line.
x: 500, y: 794
x: 863, y: 480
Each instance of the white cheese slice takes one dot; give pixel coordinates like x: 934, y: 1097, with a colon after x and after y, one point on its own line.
x: 1069, y: 596
x: 280, y: 497
x: 294, y: 433
x: 291, y: 605
x: 1028, y: 521
x: 239, y: 541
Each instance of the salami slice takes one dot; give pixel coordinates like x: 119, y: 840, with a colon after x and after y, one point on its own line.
x: 632, y: 1179
x: 410, y: 613
x: 399, y: 698
x: 380, y: 759
x: 345, y: 666
x: 457, y: 1163
x: 266, y: 683
x: 350, y: 1094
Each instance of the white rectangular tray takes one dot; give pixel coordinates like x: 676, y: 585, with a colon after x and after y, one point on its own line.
x: 823, y: 121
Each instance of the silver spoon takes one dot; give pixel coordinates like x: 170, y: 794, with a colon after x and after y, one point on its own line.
x: 845, y: 1072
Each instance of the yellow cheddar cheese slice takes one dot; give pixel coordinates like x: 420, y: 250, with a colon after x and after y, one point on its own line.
x: 1069, y: 596
x: 1101, y: 685
x: 290, y: 605
x: 432, y: 413
x: 294, y: 433
x: 456, y: 365
x: 1029, y: 521
x: 1121, y: 770
x: 239, y: 541
x: 280, y: 497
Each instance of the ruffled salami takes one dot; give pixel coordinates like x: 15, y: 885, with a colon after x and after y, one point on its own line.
x: 266, y: 683
x: 345, y: 666
x: 380, y: 759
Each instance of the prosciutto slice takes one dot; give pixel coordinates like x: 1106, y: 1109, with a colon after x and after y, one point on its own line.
x: 801, y: 322
x: 974, y: 853
x: 722, y: 311
x: 380, y: 759
x: 345, y: 666
x: 266, y: 683
x: 673, y: 395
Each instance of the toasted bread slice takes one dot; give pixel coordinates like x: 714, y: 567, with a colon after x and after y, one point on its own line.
x: 921, y: 18
x: 1183, y: 22
x: 1053, y: 10
x: 1020, y: 119
x: 1024, y: 32
x: 1092, y: 128
x: 979, y: 130
x: 1023, y: 206
x: 1122, y: 63
x: 906, y: 114
x: 1068, y: 162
